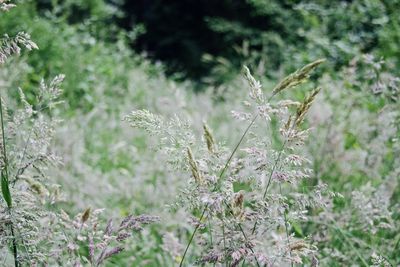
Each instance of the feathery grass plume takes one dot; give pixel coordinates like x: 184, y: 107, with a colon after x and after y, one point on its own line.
x: 145, y: 120
x: 194, y: 167
x: 50, y: 92
x: 209, y: 138
x: 4, y: 6
x: 12, y: 45
x: 103, y: 243
x: 36, y: 186
x: 255, y: 86
x: 305, y: 106
x: 107, y: 254
x: 296, y: 78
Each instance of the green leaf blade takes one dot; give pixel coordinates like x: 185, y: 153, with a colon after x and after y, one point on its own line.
x: 5, y: 189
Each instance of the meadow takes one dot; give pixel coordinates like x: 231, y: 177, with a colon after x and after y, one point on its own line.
x: 280, y: 149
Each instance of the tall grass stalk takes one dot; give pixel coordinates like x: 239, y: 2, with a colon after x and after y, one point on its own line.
x: 5, y: 185
x: 223, y: 172
x: 286, y: 230
x: 218, y: 184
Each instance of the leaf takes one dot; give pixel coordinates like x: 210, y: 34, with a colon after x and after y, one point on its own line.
x: 297, y: 229
x: 5, y: 188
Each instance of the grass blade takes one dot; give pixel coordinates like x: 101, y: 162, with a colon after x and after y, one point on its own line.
x: 5, y: 189
x: 5, y: 186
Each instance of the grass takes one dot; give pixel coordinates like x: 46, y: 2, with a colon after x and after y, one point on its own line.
x: 5, y: 185
x: 108, y: 164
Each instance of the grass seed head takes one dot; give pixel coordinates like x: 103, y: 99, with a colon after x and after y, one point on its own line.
x: 85, y: 215
x: 255, y: 86
x: 305, y: 106
x: 209, y: 138
x: 298, y: 77
x: 194, y: 167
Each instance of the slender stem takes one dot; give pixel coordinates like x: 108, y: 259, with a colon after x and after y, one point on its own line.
x: 20, y: 170
x: 241, y: 230
x: 23, y: 243
x: 192, y: 236
x: 395, y: 247
x: 211, y: 236
x: 14, y: 246
x: 286, y: 229
x: 223, y: 235
x: 270, y: 178
x: 245, y: 237
x: 210, y: 231
x: 274, y: 168
x: 236, y: 147
x: 14, y: 242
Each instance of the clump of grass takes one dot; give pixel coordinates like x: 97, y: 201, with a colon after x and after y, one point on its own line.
x: 33, y: 226
x: 211, y: 192
x: 8, y: 47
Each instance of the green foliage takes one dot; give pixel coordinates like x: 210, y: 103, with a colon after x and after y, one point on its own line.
x: 5, y: 188
x: 86, y: 61
x: 213, y: 40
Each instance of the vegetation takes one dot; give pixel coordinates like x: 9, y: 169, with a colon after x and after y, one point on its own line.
x: 288, y: 156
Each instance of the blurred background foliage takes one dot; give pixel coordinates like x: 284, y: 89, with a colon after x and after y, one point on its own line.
x: 200, y: 38
x: 205, y: 41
